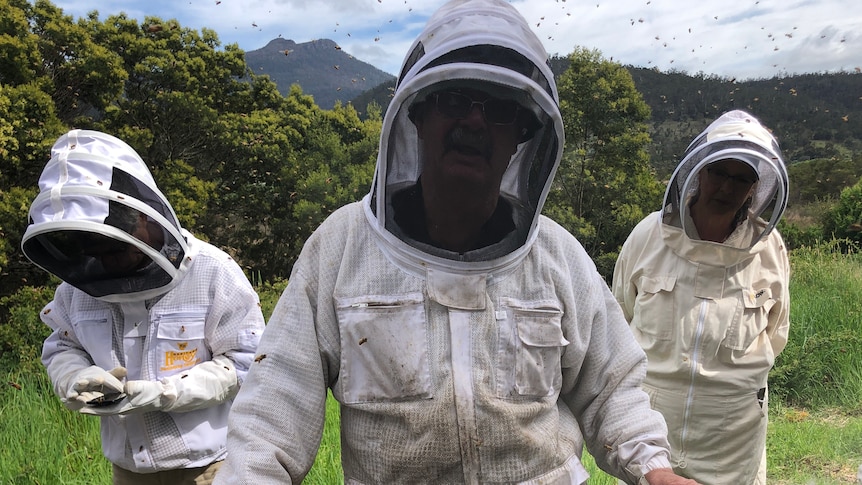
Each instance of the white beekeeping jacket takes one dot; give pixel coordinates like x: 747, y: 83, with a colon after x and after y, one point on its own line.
x: 494, y: 365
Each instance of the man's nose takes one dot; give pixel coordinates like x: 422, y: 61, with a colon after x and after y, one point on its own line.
x: 476, y: 114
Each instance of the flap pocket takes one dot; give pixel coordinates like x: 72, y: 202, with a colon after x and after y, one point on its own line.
x: 186, y: 325
x: 749, y: 323
x: 540, y: 327
x: 536, y: 343
x: 654, y: 311
x: 655, y: 284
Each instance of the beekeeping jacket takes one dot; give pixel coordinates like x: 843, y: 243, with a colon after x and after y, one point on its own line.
x: 187, y: 313
x: 489, y: 366
x: 712, y: 316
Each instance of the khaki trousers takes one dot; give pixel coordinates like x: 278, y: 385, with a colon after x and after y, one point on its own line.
x: 183, y: 476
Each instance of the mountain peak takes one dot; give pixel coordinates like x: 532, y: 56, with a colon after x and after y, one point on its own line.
x: 279, y: 43
x: 320, y: 67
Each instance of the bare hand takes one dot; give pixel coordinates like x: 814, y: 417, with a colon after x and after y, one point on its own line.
x: 666, y: 476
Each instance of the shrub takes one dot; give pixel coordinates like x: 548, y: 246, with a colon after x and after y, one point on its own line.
x: 21, y: 330
x: 798, y: 235
x: 844, y: 220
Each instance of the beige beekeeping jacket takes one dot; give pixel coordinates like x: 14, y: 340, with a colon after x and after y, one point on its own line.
x: 711, y: 317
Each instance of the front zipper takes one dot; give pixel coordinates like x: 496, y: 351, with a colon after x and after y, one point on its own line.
x: 695, y: 356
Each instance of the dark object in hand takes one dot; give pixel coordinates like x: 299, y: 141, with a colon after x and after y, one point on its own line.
x: 107, y: 399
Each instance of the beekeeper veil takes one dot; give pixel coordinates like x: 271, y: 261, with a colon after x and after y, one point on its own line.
x: 735, y: 135
x: 100, y: 223
x: 484, y: 45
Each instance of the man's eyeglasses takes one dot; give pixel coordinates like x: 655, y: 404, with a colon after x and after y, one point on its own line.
x: 458, y: 105
x: 719, y: 176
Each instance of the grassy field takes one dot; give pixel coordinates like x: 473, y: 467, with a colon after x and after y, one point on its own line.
x: 814, y: 438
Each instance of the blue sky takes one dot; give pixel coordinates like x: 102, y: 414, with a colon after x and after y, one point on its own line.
x: 751, y: 39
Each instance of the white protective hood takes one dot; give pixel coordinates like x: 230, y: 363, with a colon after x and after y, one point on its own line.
x: 470, y: 42
x: 91, y: 179
x: 734, y: 135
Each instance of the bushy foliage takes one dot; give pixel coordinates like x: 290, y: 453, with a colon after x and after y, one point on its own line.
x: 796, y: 235
x: 822, y: 178
x: 605, y: 184
x: 844, y: 220
x: 21, y: 330
x: 244, y: 167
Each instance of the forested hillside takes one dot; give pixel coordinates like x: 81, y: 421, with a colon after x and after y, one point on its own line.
x: 244, y: 166
x: 813, y: 115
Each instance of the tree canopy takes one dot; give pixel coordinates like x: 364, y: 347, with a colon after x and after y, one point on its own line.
x: 245, y: 167
x: 605, y: 184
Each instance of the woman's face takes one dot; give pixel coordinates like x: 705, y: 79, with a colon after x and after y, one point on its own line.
x: 725, y: 186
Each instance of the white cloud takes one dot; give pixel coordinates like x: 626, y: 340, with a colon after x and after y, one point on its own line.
x: 743, y: 39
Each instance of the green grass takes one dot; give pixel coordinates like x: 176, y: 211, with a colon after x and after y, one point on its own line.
x: 822, y: 364
x: 44, y: 443
x: 823, y: 447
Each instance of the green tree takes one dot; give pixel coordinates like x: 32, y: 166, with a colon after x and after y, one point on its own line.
x: 82, y: 76
x: 844, y: 219
x: 605, y: 184
x: 184, y: 100
x: 28, y: 125
x: 19, y: 53
x: 289, y: 169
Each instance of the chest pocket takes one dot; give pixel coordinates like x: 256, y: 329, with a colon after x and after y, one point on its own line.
x: 180, y: 340
x: 94, y: 330
x: 384, y: 348
x: 654, y: 310
x: 531, y: 344
x: 750, y: 319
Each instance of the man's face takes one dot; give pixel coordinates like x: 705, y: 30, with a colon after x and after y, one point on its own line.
x: 468, y: 138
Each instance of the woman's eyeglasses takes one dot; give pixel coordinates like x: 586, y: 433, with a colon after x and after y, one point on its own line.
x: 719, y: 176
x: 458, y: 105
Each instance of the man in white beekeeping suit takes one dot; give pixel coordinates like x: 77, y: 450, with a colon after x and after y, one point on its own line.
x: 153, y: 329
x: 466, y: 338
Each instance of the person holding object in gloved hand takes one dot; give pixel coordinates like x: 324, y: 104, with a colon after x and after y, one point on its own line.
x: 153, y: 329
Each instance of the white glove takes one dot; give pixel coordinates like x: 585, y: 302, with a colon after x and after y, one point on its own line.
x: 204, y: 385
x: 78, y: 388
x: 140, y: 397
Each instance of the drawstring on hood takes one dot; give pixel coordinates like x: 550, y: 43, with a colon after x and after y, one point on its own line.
x: 488, y: 46
x: 101, y: 224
